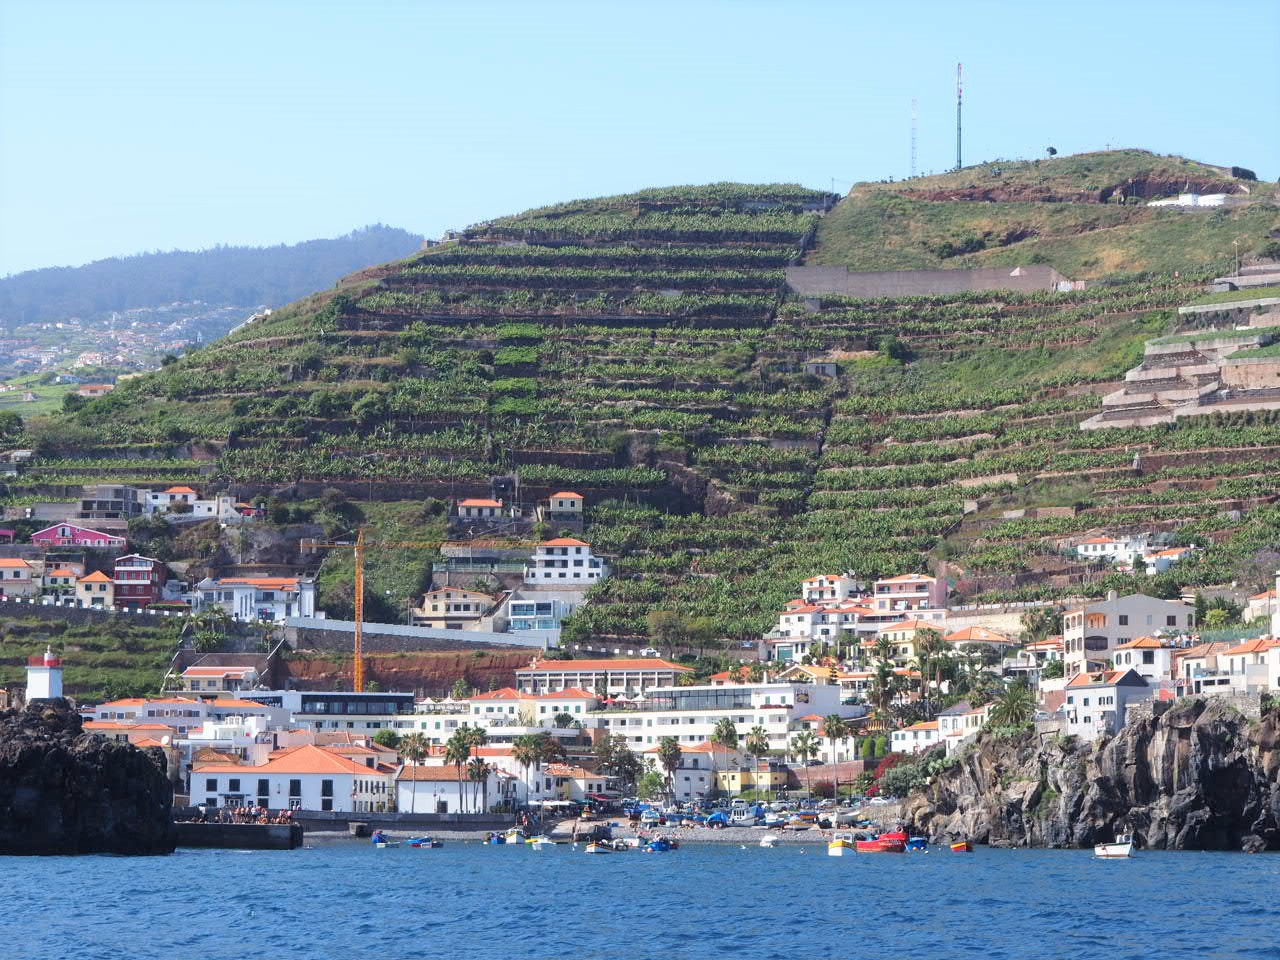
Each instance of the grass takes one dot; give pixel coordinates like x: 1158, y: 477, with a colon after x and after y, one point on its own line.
x: 1195, y: 335
x: 107, y: 658
x: 48, y: 396
x: 1258, y: 353
x: 1231, y: 296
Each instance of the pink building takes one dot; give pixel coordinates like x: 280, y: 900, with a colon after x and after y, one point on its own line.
x: 69, y: 535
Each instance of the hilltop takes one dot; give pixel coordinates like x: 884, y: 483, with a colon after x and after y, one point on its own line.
x: 243, y: 276
x: 644, y: 351
x: 1086, y: 215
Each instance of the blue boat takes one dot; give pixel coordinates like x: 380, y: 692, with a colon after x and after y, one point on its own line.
x: 917, y: 845
x: 496, y: 838
x: 429, y: 843
x: 660, y: 845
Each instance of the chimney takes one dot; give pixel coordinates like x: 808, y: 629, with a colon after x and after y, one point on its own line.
x: 1112, y: 595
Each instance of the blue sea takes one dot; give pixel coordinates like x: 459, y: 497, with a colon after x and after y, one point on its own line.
x: 467, y: 900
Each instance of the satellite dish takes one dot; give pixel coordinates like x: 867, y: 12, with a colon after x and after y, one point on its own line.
x: 165, y: 739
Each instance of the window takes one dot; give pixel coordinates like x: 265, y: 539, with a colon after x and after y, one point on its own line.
x: 264, y: 792
x: 1148, y: 656
x: 1124, y: 619
x: 233, y: 785
x: 1172, y: 620
x: 211, y: 784
x: 295, y: 788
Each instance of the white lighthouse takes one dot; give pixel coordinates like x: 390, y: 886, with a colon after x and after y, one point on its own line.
x: 44, y: 676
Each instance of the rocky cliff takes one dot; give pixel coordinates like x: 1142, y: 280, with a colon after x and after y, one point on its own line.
x: 64, y: 791
x: 1201, y: 776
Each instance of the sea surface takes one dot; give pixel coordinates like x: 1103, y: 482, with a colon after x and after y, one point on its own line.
x: 466, y: 900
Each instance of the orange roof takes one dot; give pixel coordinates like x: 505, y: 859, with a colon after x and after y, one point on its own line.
x: 96, y: 577
x: 569, y: 693
x: 1103, y: 677
x: 802, y: 608
x: 419, y: 773
x: 503, y: 693
x: 305, y: 759
x: 557, y: 666
x: 1257, y: 645
x: 565, y: 542
x: 1098, y: 540
x: 116, y: 725
x: 907, y: 625
x: 266, y: 583
x: 1142, y: 643
x: 62, y: 572
x: 905, y: 578
x: 215, y: 671
x: 976, y: 635
x: 923, y: 725
x: 810, y: 717
x: 7, y: 563
x: 743, y: 673
x: 147, y: 742
x: 232, y: 703
x: 179, y: 490
x: 186, y: 700
x: 479, y: 502
x: 1265, y: 595
x: 567, y: 770
x: 567, y: 495
x: 709, y: 746
x: 127, y: 702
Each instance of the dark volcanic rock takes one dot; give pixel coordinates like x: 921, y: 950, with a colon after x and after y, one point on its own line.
x: 66, y: 791
x: 1199, y: 777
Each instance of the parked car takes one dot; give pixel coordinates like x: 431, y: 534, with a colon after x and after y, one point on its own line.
x: 649, y: 652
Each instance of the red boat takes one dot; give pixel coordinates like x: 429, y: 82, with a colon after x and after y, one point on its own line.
x: 886, y: 843
x: 962, y: 846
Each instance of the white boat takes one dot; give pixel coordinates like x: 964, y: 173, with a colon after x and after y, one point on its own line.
x: 840, y: 845
x: 769, y: 842
x: 1118, y: 850
x: 541, y: 843
x: 597, y: 848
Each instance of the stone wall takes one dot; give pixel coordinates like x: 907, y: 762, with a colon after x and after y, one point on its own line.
x: 812, y: 281
x: 1262, y: 373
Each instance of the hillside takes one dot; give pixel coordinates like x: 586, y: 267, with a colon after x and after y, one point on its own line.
x: 243, y: 276
x: 1086, y: 215
x: 642, y: 350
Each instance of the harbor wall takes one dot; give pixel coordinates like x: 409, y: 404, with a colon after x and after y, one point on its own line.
x: 239, y: 836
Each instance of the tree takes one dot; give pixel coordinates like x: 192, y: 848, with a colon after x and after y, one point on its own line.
x: 616, y: 759
x: 1014, y: 706
x: 1052, y: 670
x: 1051, y: 151
x: 666, y: 628
x: 563, y: 720
x: 836, y: 729
x: 461, y: 689
x: 669, y: 759
x: 457, y: 750
x: 725, y: 733
x: 1216, y: 618
x: 1038, y: 623
x: 804, y: 745
x: 650, y: 785
x: 413, y: 747
x: 388, y: 738
x: 524, y: 751
x: 757, y: 744
x: 478, y: 774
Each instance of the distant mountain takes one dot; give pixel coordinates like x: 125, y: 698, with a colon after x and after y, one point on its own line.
x: 245, y: 276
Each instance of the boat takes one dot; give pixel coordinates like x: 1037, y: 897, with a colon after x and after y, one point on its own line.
x: 425, y: 843
x: 962, y: 846
x: 917, y: 845
x: 514, y: 835
x: 1122, y: 847
x: 840, y: 845
x: 769, y: 841
x: 496, y: 839
x: 597, y: 847
x: 538, y: 843
x: 882, y: 844
x: 660, y: 845
x: 381, y: 841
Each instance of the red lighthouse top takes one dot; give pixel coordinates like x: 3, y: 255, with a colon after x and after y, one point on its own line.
x: 46, y: 659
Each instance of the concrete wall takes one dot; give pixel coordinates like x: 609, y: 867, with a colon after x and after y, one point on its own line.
x: 815, y: 281
x: 313, y: 634
x: 1262, y: 373
x: 239, y: 836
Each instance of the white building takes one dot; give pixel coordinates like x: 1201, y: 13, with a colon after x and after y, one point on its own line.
x: 298, y: 778
x: 918, y: 738
x: 959, y: 722
x: 614, y: 677
x: 829, y: 589
x: 909, y: 595
x: 1150, y: 658
x: 17, y: 578
x: 258, y: 598
x: 322, y: 710
x: 1092, y: 631
x: 695, y: 777
x: 1125, y: 549
x: 435, y: 788
x: 1158, y: 561
x: 1096, y: 702
x: 452, y: 608
x: 541, y: 608
x: 564, y: 561
x: 44, y: 676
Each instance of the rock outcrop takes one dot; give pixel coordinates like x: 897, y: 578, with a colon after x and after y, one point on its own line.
x: 64, y: 791
x: 1198, y: 777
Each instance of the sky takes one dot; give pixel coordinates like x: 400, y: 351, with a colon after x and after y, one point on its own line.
x: 136, y: 125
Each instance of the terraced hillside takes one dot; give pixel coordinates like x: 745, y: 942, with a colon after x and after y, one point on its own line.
x: 1086, y: 215
x: 642, y: 350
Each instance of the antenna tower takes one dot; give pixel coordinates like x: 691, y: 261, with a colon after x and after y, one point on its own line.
x: 914, y: 123
x: 959, y: 105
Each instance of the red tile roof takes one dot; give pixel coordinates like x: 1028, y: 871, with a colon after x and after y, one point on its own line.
x: 567, y: 495
x: 565, y: 542
x: 304, y: 759
x: 502, y: 693
x: 479, y: 502
x: 96, y: 577
x: 572, y: 666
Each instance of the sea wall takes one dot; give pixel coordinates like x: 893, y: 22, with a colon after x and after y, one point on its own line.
x: 239, y: 836
x: 1201, y: 775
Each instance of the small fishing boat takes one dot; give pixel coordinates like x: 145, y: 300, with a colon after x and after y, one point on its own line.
x: 381, y: 841
x: 769, y: 841
x: 496, y: 839
x: 1118, y: 850
x: 540, y: 843
x: 660, y: 845
x: 881, y: 844
x: 425, y: 843
x: 598, y: 848
x: 840, y: 845
x: 962, y: 846
x: 917, y: 845
x: 514, y: 835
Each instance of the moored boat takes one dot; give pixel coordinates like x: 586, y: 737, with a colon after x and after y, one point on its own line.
x: 1122, y: 847
x: 598, y: 848
x: 840, y: 844
x: 881, y: 844
x: 962, y: 846
x: 917, y: 845
x: 425, y: 843
x: 538, y: 843
x: 660, y: 845
x: 769, y: 841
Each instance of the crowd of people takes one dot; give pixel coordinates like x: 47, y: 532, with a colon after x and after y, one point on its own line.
x: 243, y: 815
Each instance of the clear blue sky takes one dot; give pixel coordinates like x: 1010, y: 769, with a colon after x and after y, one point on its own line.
x: 129, y: 126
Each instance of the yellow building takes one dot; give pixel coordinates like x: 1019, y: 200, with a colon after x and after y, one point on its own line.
x: 95, y: 590
x: 764, y: 775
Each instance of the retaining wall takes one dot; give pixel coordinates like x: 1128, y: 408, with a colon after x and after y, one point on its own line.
x: 816, y: 280
x: 239, y: 836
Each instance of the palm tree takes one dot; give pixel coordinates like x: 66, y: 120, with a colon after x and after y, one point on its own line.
x: 457, y: 750
x: 882, y: 650
x: 805, y: 746
x: 883, y: 688
x: 929, y: 645
x: 413, y: 747
x: 1015, y: 706
x: 758, y: 746
x: 524, y: 751
x: 478, y: 774
x: 836, y: 728
x: 725, y: 733
x: 669, y: 759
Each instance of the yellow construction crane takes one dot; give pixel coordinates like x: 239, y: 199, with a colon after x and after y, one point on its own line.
x: 358, y: 547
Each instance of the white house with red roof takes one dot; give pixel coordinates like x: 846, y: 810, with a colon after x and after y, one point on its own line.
x: 482, y: 509
x: 1158, y: 561
x: 439, y: 788
x: 1260, y: 605
x: 95, y: 590
x: 1091, y: 631
x: 564, y: 506
x: 17, y: 578
x: 273, y: 599
x: 1149, y: 657
x: 918, y: 738
x: 801, y: 625
x: 1096, y: 702
x: 829, y: 589
x: 959, y: 722
x: 1123, y: 549
x: 695, y: 776
x: 564, y: 561
x: 297, y: 778
x: 909, y: 595
x: 67, y: 534
x: 979, y: 636
x: 210, y: 680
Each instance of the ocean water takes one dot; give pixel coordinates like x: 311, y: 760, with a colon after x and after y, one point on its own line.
x: 467, y: 900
